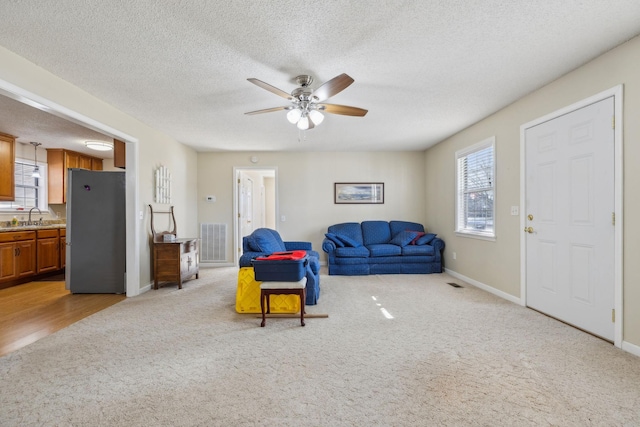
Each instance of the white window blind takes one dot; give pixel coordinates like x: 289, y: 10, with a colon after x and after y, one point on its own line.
x: 475, y: 201
x: 27, y: 190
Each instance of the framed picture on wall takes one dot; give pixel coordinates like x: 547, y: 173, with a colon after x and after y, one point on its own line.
x: 358, y: 193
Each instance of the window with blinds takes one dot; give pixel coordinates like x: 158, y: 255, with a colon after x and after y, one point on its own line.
x: 27, y: 189
x: 475, y: 199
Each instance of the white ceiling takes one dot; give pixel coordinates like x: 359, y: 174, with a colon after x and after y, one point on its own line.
x: 424, y: 69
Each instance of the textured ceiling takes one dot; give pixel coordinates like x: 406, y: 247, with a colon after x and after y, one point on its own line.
x: 424, y: 69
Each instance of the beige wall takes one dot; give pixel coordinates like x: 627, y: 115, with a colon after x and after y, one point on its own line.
x: 497, y: 264
x: 154, y: 148
x: 305, y: 189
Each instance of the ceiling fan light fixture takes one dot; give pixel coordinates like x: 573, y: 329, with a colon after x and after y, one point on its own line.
x: 99, y: 145
x: 316, y: 117
x: 303, y: 123
x: 294, y: 116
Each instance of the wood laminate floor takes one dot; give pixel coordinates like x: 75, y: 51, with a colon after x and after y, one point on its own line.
x: 34, y: 310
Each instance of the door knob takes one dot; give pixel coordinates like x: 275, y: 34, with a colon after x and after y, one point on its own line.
x: 530, y: 217
x: 528, y: 229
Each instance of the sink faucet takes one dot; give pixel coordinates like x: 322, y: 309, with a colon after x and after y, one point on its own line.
x: 31, y: 210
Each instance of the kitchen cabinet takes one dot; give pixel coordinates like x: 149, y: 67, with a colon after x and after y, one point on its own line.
x: 7, y: 167
x: 175, y: 261
x: 63, y: 247
x: 59, y: 161
x: 48, y: 250
x: 17, y: 255
x: 119, y: 154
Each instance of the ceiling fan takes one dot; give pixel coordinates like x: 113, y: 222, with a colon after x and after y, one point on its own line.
x: 307, y: 104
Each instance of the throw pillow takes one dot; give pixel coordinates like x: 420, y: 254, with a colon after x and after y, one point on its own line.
x: 415, y: 239
x: 334, y: 239
x: 348, y: 241
x: 426, y: 239
x: 264, y: 241
x: 403, y: 238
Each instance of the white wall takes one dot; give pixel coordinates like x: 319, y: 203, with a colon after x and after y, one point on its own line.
x: 305, y: 189
x: 497, y: 264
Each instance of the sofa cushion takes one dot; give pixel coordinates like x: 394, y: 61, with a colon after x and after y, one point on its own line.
x: 348, y: 241
x: 418, y: 250
x: 375, y: 232
x: 350, y: 252
x: 403, y: 238
x: 334, y: 239
x: 398, y: 226
x: 415, y: 239
x: 384, y: 249
x: 349, y: 229
x: 426, y: 239
x: 263, y: 240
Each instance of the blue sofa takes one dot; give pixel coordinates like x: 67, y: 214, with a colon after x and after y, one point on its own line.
x: 265, y: 241
x: 381, y: 247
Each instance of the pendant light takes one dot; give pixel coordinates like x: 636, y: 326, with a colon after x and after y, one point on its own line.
x: 36, y: 170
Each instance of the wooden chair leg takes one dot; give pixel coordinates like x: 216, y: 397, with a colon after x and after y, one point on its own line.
x: 262, y: 296
x: 302, y: 303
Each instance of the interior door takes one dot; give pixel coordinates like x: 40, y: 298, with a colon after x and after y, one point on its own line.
x: 569, y: 227
x: 246, y: 205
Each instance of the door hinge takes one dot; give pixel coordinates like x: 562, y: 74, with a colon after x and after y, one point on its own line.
x: 613, y: 122
x: 613, y: 315
x: 613, y: 218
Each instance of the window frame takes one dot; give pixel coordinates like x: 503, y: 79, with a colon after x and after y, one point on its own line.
x: 43, y: 199
x: 460, y: 230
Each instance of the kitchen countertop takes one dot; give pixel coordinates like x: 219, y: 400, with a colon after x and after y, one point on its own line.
x: 4, y: 229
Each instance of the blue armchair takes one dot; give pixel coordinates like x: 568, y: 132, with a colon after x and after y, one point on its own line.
x: 264, y: 241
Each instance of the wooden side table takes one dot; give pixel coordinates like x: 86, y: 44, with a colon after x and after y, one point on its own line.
x: 175, y: 261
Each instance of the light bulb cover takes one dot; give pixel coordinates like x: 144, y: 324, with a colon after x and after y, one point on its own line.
x: 99, y: 145
x: 36, y: 172
x: 294, y: 115
x: 316, y: 117
x: 303, y: 123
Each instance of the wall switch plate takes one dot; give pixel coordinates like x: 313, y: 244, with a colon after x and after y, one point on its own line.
x: 515, y: 210
x: 283, y: 218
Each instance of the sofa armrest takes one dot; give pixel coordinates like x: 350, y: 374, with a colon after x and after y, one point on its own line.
x: 246, y: 257
x: 438, y: 246
x: 328, y: 246
x: 297, y: 246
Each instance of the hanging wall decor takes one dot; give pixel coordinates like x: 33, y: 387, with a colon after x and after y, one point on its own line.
x: 163, y: 185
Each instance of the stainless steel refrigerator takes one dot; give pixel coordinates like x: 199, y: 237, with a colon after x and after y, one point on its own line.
x: 96, y: 232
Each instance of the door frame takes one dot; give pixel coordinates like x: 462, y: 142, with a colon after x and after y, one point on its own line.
x: 132, y: 202
x: 236, y: 232
x: 617, y: 94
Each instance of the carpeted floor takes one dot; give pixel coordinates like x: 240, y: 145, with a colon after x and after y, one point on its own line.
x: 449, y: 356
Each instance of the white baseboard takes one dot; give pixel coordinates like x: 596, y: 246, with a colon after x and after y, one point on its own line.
x: 485, y: 287
x: 631, y: 348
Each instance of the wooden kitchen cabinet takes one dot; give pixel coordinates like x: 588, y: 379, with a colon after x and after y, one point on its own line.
x: 175, y: 261
x: 59, y: 161
x: 119, y: 154
x: 7, y: 167
x: 63, y: 247
x: 48, y: 250
x: 17, y: 255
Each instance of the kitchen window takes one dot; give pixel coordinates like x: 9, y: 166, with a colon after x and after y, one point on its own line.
x: 475, y: 183
x: 29, y: 192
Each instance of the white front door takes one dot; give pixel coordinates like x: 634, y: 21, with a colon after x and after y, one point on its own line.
x: 569, y: 206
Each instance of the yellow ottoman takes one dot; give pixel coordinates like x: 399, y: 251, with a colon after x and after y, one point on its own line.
x: 248, y: 296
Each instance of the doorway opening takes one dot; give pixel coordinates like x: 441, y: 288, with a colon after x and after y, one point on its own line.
x: 256, y: 201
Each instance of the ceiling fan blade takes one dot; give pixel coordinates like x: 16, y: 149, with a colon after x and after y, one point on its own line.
x: 271, y: 89
x: 332, y: 87
x: 344, y: 110
x: 267, y: 110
